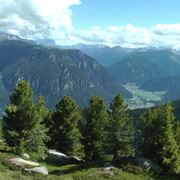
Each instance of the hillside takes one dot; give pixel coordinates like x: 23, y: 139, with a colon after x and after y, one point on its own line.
x: 54, y: 72
x: 169, y: 84
x: 84, y: 171
x: 139, y: 67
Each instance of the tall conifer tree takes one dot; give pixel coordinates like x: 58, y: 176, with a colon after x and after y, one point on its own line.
x: 158, y: 139
x: 66, y: 120
x: 22, y: 119
x: 170, y: 150
x: 95, y: 129
x: 120, y: 129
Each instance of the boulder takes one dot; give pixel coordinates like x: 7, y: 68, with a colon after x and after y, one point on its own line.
x: 60, y: 158
x: 108, y: 167
x: 28, y: 166
x: 77, y: 160
x: 21, y: 163
x: 147, y: 164
x: 57, y: 157
x: 38, y: 170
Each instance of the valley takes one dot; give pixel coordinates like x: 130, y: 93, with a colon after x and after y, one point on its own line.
x: 89, y: 90
x: 143, y: 98
x: 138, y: 74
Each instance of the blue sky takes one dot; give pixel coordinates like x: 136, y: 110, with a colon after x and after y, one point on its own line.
x: 126, y: 23
x: 145, y: 13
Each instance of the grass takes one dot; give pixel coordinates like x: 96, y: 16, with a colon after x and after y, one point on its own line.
x: 72, y: 172
x: 86, y: 171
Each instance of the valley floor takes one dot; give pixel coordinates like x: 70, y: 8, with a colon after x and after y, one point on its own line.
x: 142, y: 98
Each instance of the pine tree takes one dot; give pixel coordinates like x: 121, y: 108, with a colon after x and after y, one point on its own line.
x: 95, y: 129
x: 23, y: 119
x: 50, y: 133
x: 177, y: 133
x: 158, y: 140
x: 148, y: 125
x: 120, y: 130
x: 170, y: 152
x: 66, y: 119
x: 37, y: 135
x: 17, y: 120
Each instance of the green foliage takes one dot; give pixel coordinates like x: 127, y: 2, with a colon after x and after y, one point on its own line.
x: 95, y: 129
x: 66, y: 133
x: 37, y: 135
x: 120, y: 129
x: 170, y: 152
x: 158, y: 138
x: 23, y: 127
x: 148, y: 123
x: 0, y: 129
x: 177, y: 132
x: 48, y: 121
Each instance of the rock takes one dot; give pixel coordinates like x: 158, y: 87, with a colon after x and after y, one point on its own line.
x: 28, y: 166
x: 26, y: 156
x: 39, y: 170
x: 57, y: 157
x: 60, y: 158
x: 75, y: 159
x: 21, y: 163
x: 108, y: 167
x: 147, y: 164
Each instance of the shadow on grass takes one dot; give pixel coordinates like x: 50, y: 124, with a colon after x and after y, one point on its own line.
x: 78, y: 167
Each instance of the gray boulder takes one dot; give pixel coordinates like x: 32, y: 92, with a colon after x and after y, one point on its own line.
x: 60, y: 158
x: 147, y: 164
x: 21, y: 163
x: 38, y: 170
x: 57, y: 157
x: 28, y: 166
x: 75, y: 159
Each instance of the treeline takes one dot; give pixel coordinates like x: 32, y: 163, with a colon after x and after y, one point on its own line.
x: 94, y: 133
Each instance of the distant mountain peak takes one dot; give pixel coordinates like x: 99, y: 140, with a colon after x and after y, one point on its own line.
x: 4, y: 36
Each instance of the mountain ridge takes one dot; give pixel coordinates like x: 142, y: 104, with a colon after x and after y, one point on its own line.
x: 71, y: 72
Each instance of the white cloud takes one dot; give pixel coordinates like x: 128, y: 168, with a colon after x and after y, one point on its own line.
x: 167, y: 29
x: 127, y: 35
x: 161, y: 35
x: 36, y: 18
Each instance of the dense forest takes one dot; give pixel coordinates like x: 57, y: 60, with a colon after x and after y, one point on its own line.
x: 94, y: 133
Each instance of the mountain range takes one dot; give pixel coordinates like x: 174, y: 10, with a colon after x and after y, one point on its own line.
x: 104, y: 55
x: 54, y: 72
x: 84, y: 70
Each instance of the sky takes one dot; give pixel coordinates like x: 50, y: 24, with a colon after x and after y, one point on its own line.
x: 126, y: 23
